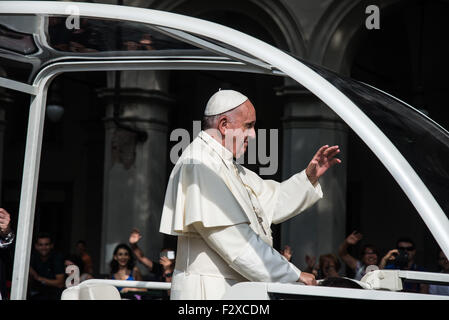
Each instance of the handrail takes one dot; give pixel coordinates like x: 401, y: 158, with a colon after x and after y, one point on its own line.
x: 424, y: 277
x: 130, y: 284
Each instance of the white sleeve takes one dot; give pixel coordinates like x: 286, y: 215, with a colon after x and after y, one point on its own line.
x: 296, y: 195
x: 249, y: 255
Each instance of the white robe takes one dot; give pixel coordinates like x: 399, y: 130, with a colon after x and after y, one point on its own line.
x: 222, y: 213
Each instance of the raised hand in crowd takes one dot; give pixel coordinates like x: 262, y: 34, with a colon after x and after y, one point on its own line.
x: 390, y: 256
x: 353, y: 238
x: 134, y: 237
x: 350, y: 240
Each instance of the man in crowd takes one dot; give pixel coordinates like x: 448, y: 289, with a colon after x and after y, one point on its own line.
x: 403, y: 258
x: 222, y: 212
x: 46, y: 270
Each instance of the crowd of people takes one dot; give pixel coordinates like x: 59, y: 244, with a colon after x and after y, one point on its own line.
x: 47, y: 275
x: 402, y: 257
x: 49, y: 272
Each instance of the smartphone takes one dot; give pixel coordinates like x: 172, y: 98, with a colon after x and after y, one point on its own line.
x: 169, y: 254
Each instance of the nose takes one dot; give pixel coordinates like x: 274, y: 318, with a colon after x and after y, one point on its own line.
x: 252, y: 133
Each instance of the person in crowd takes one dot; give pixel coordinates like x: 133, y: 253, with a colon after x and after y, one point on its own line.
x: 329, y: 266
x: 287, y: 253
x: 443, y: 263
x: 6, y: 241
x: 81, y: 251
x: 162, y: 271
x: 403, y: 258
x: 167, y: 263
x: 123, y: 267
x: 369, y: 255
x: 47, y: 270
x: 312, y: 267
x: 74, y: 259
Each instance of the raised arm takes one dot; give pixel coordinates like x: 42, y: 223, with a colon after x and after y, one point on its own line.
x: 389, y: 257
x: 352, y: 239
x: 134, y: 237
x: 302, y: 190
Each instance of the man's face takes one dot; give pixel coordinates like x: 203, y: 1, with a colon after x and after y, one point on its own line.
x: 240, y: 128
x: 43, y: 246
x: 409, y: 248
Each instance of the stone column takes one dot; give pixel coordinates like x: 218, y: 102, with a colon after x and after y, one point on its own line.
x: 135, y: 160
x: 309, y: 124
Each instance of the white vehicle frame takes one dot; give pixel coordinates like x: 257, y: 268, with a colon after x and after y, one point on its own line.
x: 268, y: 60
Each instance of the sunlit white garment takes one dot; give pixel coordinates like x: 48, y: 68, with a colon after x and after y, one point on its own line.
x: 222, y: 213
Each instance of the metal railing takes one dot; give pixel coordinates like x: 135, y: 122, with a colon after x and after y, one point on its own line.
x: 130, y: 284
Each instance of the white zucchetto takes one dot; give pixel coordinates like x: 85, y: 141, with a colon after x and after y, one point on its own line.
x: 222, y: 101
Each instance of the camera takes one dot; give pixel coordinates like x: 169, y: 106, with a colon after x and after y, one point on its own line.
x: 169, y: 254
x: 401, y: 260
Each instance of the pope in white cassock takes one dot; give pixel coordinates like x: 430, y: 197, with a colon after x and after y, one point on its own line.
x: 222, y: 212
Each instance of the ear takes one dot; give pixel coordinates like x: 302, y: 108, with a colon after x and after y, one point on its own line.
x: 222, y: 124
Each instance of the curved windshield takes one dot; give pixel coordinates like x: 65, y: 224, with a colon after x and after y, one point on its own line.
x: 424, y: 143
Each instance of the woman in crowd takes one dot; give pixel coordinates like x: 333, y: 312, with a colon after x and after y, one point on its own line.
x: 123, y: 267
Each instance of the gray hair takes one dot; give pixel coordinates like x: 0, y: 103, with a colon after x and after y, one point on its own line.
x: 209, y: 122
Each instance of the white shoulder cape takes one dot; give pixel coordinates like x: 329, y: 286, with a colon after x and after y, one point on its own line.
x: 197, y: 192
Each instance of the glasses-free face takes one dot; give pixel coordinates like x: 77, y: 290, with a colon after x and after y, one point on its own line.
x: 43, y: 246
x: 369, y: 257
x: 240, y: 129
x: 122, y: 257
